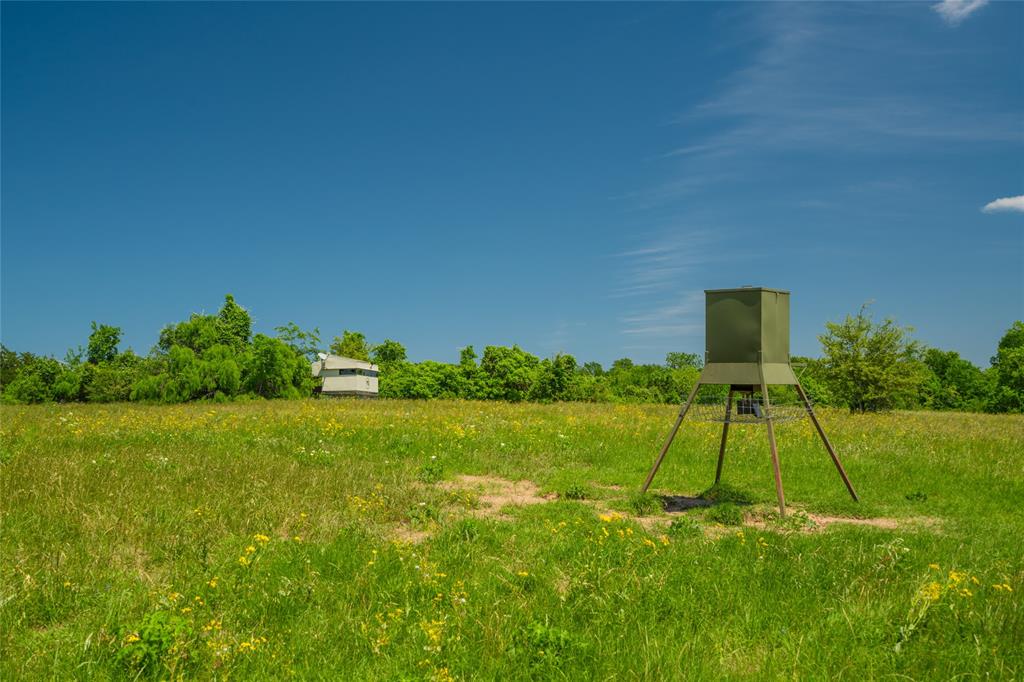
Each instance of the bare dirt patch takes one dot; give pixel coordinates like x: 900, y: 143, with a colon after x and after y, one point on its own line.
x: 820, y: 522
x: 410, y: 535
x: 495, y: 493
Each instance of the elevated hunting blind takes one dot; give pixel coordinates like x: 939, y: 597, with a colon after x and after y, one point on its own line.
x: 747, y: 349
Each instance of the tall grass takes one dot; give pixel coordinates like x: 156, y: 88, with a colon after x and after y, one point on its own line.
x: 268, y: 540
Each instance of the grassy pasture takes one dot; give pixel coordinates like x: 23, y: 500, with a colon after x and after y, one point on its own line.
x: 336, y: 540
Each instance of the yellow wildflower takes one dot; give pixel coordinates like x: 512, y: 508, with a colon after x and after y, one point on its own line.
x: 213, y: 582
x: 933, y: 566
x: 260, y: 538
x: 244, y: 560
x: 523, y: 574
x: 932, y: 591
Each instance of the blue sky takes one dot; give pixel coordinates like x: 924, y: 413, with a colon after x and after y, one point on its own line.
x: 568, y: 177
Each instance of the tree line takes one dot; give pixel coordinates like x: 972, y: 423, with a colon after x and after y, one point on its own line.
x: 865, y: 365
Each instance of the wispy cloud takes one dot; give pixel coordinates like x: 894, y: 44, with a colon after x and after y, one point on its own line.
x: 681, y: 318
x: 657, y: 292
x: 1005, y: 205
x: 657, y: 266
x: 826, y: 78
x: 814, y: 86
x: 955, y: 11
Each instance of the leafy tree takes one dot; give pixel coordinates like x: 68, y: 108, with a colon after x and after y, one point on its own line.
x: 275, y: 369
x: 467, y: 357
x: 35, y: 381
x: 184, y: 376
x: 388, y: 353
x: 621, y: 364
x: 813, y: 377
x: 507, y: 373
x: 221, y: 372
x: 306, y: 343
x: 1008, y: 369
x: 351, y: 345
x: 426, y: 380
x: 234, y: 324
x: 112, y: 381
x: 680, y: 360
x: 592, y: 368
x: 871, y: 366
x: 556, y: 379
x: 70, y: 382
x: 197, y: 333
x: 952, y: 382
x: 103, y: 343
x: 11, y: 363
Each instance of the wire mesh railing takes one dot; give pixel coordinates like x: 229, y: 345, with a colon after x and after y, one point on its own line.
x: 746, y: 407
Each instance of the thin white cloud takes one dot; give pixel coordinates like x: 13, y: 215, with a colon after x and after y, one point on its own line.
x: 656, y: 267
x: 657, y: 297
x: 955, y: 11
x: 814, y: 86
x: 1005, y: 205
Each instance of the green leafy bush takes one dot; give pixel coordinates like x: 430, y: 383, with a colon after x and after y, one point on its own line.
x: 644, y: 504
x: 726, y: 513
x: 576, y: 492
x: 157, y: 647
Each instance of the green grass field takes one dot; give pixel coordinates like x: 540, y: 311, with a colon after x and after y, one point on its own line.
x: 367, y: 540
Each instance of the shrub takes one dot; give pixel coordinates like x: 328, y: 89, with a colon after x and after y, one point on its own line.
x: 871, y: 366
x: 723, y: 492
x: 644, y: 504
x: 153, y: 647
x: 685, y: 526
x: 727, y: 514
x: 431, y: 472
x: 575, y: 492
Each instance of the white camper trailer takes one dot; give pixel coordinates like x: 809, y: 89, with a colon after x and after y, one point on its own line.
x: 346, y: 376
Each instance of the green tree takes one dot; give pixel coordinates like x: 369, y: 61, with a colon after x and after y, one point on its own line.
x: 351, y: 345
x: 275, y: 369
x: 388, y: 353
x: 306, y: 343
x: 813, y: 377
x: 113, y: 381
x: 680, y: 360
x: 1008, y: 369
x: 11, y: 364
x: 35, y: 381
x: 507, y: 373
x: 197, y: 333
x: 103, y: 343
x: 952, y: 382
x: 234, y: 324
x: 871, y: 366
x: 556, y: 380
